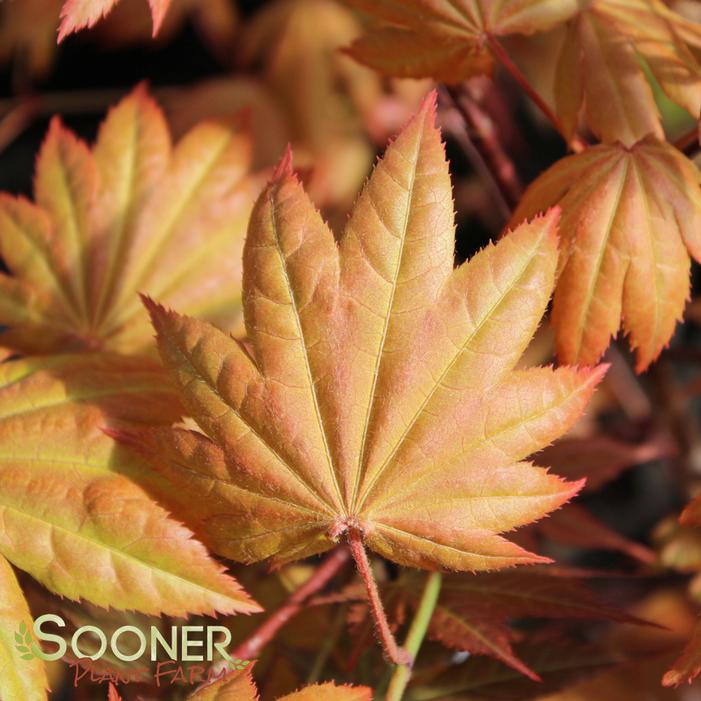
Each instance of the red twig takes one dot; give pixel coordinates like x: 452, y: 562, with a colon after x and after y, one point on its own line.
x: 483, y: 134
x: 250, y: 648
x: 577, y: 144
x: 389, y: 644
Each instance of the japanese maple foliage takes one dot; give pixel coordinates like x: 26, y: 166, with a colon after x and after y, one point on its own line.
x: 134, y: 213
x: 240, y: 687
x: 631, y: 219
x: 225, y: 382
x: 79, y: 14
x: 71, y: 515
x: 445, y: 40
x: 365, y: 359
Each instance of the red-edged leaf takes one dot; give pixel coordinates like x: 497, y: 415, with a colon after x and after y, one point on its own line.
x: 575, y: 526
x: 81, y: 14
x: 687, y: 667
x: 372, y: 355
x: 601, y: 459
x: 630, y: 219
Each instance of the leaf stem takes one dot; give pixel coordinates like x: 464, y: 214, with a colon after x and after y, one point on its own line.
x: 416, y: 635
x: 577, y: 144
x: 251, y: 647
x: 389, y: 643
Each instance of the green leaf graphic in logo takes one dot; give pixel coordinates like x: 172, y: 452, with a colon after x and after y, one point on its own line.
x: 240, y: 664
x: 23, y: 642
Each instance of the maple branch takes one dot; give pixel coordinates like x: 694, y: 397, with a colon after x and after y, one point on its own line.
x: 389, y: 643
x: 453, y: 122
x: 416, y: 635
x: 251, y: 647
x: 577, y: 144
x: 482, y: 133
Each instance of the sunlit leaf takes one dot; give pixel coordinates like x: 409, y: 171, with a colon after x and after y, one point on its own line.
x: 240, y: 687
x: 630, y: 219
x: 79, y: 14
x: 69, y: 517
x: 687, y: 667
x: 131, y: 215
x: 19, y: 679
x: 601, y: 68
x: 366, y: 359
x: 326, y: 96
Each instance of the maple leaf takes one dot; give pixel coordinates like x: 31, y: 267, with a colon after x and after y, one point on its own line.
x: 474, y: 611
x: 28, y: 29
x: 601, y: 68
x: 630, y: 219
x: 446, y: 40
x: 559, y: 663
x: 240, y: 687
x: 70, y: 515
x: 25, y: 679
x: 132, y: 214
x: 691, y: 516
x: 326, y: 95
x: 366, y: 360
x: 688, y: 666
x: 79, y: 14
x: 577, y: 527
x: 601, y: 459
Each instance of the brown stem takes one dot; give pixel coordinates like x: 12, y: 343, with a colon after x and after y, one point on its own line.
x: 389, y: 644
x: 250, y: 648
x: 482, y: 133
x: 577, y: 144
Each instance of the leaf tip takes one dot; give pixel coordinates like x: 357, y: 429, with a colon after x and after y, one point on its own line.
x: 156, y: 311
x: 429, y: 105
x: 151, y: 305
x: 284, y: 167
x: 672, y: 678
x: 576, y: 487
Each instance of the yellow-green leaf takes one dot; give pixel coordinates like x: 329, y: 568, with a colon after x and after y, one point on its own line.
x: 236, y: 687
x: 20, y: 678
x: 330, y: 692
x: 131, y: 215
x: 71, y: 516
